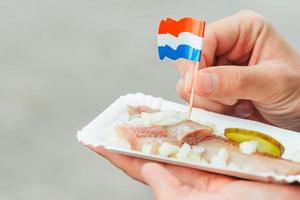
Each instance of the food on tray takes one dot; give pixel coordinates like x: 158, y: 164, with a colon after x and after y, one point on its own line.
x: 265, y: 144
x: 171, y: 134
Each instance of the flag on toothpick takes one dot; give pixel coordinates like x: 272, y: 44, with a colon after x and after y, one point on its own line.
x: 180, y: 39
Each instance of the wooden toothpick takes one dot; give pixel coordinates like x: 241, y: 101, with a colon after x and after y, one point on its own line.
x: 193, y: 90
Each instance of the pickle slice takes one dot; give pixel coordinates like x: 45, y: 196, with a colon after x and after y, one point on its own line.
x: 266, y: 144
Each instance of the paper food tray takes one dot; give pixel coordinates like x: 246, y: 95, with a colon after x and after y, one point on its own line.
x: 97, y: 132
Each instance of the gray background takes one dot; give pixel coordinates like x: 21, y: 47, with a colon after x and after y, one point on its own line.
x: 63, y: 61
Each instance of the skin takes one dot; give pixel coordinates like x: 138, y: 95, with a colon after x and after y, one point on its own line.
x: 169, y: 182
x: 247, y: 70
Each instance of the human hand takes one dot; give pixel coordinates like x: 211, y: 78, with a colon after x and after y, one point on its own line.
x: 248, y: 70
x: 170, y: 182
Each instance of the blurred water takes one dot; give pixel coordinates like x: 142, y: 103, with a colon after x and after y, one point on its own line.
x: 63, y: 61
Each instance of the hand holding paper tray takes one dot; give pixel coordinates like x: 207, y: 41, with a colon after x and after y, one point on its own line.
x: 219, y: 156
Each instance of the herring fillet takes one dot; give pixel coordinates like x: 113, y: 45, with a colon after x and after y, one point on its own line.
x: 198, y: 135
x: 186, y: 131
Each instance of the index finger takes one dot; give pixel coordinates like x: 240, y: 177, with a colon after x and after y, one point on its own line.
x: 229, y: 40
x: 232, y: 38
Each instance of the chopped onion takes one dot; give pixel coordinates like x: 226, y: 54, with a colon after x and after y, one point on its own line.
x: 167, y: 149
x: 220, y: 160
x: 248, y: 147
x: 195, y: 153
x: 194, y: 156
x: 184, y: 151
x: 164, y: 118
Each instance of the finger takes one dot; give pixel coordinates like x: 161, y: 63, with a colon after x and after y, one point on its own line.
x: 227, y: 41
x: 226, y: 101
x: 233, y: 37
x: 243, y: 109
x: 203, y: 102
x: 166, y: 184
x: 183, y: 66
x: 132, y: 166
x: 251, y: 83
x: 188, y: 82
x: 197, y: 178
x: 129, y: 165
x: 163, y: 184
x: 256, y: 116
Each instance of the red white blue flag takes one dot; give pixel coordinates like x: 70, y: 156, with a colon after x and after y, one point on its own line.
x: 180, y: 39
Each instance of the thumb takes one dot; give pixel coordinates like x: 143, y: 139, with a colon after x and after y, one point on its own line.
x: 163, y: 184
x: 237, y: 82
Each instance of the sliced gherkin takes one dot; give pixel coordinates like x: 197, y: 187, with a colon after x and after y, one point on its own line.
x: 266, y: 144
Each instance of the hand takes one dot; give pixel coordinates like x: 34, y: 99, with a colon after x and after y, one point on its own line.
x: 248, y: 70
x: 192, y: 184
x: 168, y: 183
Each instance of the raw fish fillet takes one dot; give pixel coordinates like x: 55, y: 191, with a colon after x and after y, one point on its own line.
x: 195, y: 134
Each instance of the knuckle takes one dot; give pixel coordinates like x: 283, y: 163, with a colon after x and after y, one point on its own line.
x: 250, y: 14
x: 250, y: 18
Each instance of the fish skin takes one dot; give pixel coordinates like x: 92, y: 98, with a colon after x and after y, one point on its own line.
x: 190, y: 132
x: 175, y: 134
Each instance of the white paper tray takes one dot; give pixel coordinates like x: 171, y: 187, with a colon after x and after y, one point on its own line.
x: 97, y: 132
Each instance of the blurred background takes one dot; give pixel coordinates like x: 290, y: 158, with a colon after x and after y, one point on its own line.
x: 63, y: 61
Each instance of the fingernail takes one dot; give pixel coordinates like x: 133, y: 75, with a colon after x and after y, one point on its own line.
x: 206, y: 82
x: 188, y: 82
x: 243, y: 110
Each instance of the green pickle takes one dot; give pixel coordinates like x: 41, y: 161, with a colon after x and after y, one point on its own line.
x: 266, y: 144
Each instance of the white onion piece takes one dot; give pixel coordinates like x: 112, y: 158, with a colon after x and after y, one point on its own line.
x: 167, y: 149
x: 248, y: 147
x: 220, y: 160
x: 164, y: 118
x: 184, y: 151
